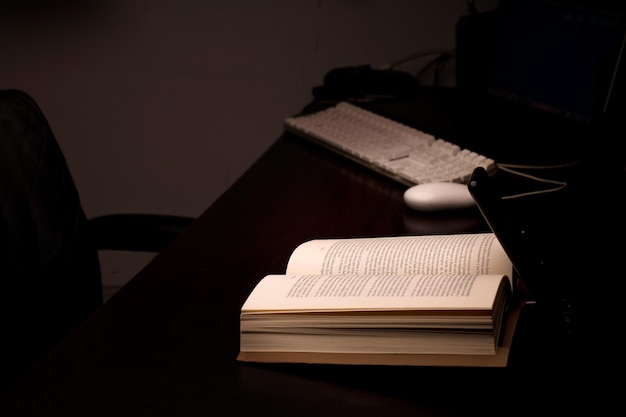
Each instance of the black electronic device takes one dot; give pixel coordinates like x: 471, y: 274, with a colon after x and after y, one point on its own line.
x: 536, y: 242
x: 563, y: 240
x: 363, y: 81
x: 476, y: 36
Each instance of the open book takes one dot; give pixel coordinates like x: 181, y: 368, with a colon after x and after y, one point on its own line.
x: 440, y: 300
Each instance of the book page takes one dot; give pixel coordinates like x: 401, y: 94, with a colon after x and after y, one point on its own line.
x: 305, y: 293
x: 479, y: 253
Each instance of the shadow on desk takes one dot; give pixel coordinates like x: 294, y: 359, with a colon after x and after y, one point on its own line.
x: 559, y: 384
x: 464, y: 221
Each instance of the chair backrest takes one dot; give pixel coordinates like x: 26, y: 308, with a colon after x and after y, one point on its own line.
x: 50, y: 277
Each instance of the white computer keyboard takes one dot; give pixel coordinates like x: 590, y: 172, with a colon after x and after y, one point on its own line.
x: 403, y: 153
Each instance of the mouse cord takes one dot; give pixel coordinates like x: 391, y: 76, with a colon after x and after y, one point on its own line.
x: 514, y: 169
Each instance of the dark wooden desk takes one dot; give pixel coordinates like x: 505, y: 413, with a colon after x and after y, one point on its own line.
x: 165, y: 344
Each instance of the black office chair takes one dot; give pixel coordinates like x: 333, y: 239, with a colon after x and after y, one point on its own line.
x: 50, y: 277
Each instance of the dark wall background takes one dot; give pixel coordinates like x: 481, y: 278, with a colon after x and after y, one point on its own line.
x: 160, y: 105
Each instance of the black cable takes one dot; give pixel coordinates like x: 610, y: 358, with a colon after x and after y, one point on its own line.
x: 437, y: 64
x: 416, y: 55
x: 471, y: 6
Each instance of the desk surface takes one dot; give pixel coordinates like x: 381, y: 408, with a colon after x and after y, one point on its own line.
x: 166, y: 343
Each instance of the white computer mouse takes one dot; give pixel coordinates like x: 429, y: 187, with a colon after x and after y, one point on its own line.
x: 438, y: 196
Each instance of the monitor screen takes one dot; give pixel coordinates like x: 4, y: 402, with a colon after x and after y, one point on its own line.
x: 557, y: 56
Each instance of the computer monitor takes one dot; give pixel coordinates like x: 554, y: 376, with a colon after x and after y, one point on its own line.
x: 545, y: 80
x: 561, y: 57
